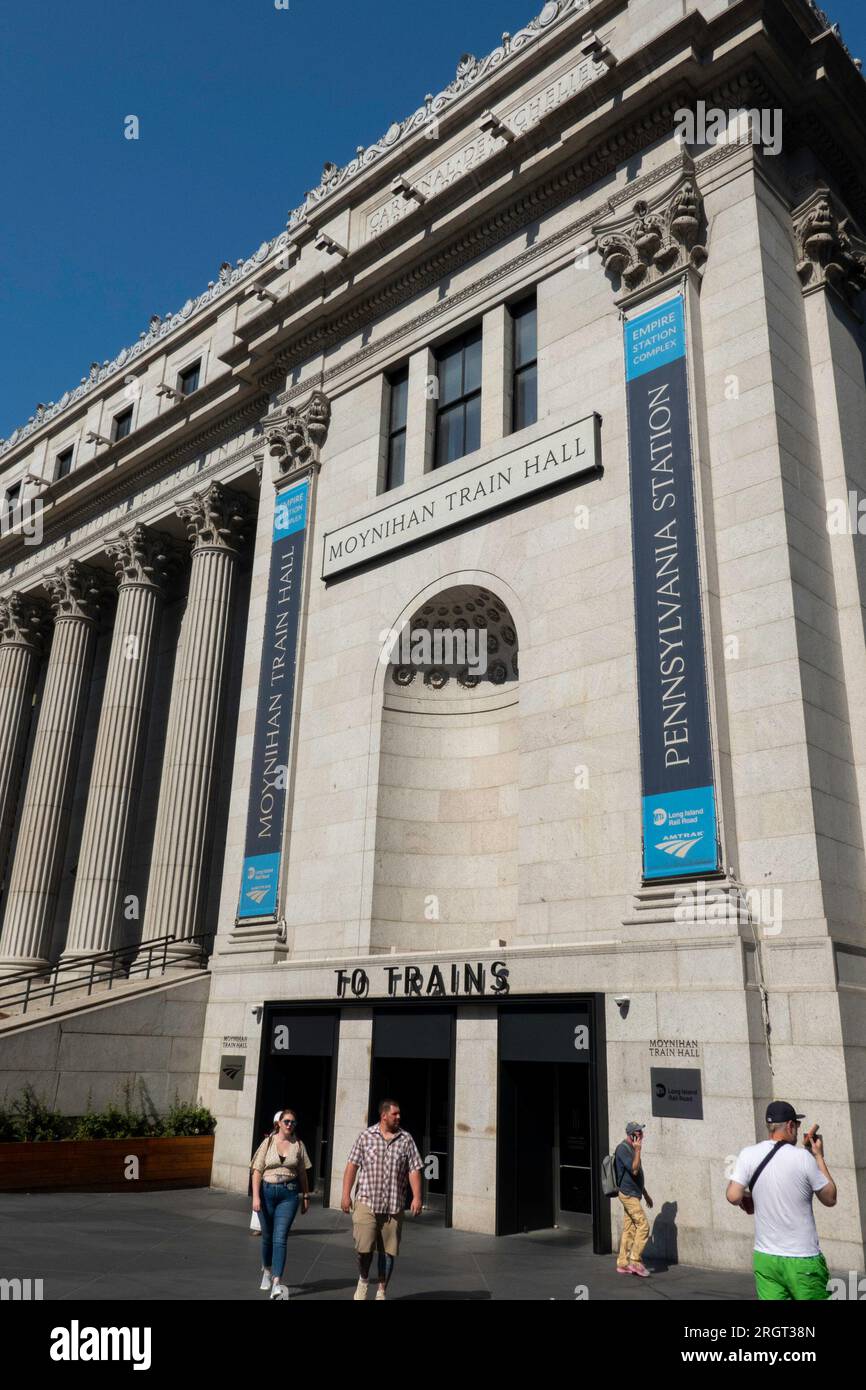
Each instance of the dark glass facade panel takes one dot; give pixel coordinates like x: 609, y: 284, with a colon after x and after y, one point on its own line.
x: 395, y: 472
x: 458, y: 421
x: 122, y: 424
x: 524, y: 317
x: 188, y: 380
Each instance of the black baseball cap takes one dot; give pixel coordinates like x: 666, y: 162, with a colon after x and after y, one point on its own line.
x: 779, y: 1112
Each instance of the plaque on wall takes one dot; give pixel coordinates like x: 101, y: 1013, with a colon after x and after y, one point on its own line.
x: 232, y: 1073
x: 676, y: 1093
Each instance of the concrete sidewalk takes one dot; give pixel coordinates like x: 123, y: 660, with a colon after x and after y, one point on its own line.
x: 196, y: 1245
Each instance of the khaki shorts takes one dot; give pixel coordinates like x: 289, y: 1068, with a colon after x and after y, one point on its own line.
x: 380, y: 1232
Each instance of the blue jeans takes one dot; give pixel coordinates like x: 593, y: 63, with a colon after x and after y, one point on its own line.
x: 279, y: 1209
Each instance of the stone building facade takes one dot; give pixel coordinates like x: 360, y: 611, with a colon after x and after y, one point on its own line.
x: 419, y: 408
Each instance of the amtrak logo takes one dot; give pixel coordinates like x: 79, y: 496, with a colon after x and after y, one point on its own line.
x: 231, y: 1072
x: 258, y: 895
x: 678, y: 849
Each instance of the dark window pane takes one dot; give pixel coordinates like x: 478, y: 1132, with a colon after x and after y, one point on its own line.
x: 472, y: 365
x: 526, y: 398
x: 64, y: 462
x: 399, y: 400
x: 396, y: 460
x: 525, y: 334
x: 188, y: 381
x: 472, y: 439
x: 122, y: 424
x: 449, y: 440
x: 451, y: 376
x: 13, y: 496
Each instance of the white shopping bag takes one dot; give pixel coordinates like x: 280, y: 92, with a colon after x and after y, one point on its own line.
x: 255, y: 1224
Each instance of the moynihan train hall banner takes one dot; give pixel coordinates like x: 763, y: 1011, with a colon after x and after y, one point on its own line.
x: 680, y: 833
x: 274, y: 709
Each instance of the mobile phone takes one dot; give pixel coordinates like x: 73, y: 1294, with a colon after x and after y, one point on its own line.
x: 807, y: 1142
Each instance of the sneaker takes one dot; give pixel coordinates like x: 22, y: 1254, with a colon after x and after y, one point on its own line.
x: 266, y: 1281
x: 279, y: 1291
x: 624, y: 1269
x: 361, y: 1291
x: 380, y: 1295
x: 640, y: 1270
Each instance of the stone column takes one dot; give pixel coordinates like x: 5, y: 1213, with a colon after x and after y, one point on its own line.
x: 177, y: 890
x: 76, y: 592
x: 144, y: 561
x: 22, y: 624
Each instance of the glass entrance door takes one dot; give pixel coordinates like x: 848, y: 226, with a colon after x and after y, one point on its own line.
x: 420, y: 1085
x: 573, y: 1146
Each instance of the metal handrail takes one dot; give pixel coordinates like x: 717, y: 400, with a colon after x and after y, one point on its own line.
x: 102, y: 966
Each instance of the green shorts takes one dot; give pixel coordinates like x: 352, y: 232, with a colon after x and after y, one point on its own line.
x: 789, y: 1277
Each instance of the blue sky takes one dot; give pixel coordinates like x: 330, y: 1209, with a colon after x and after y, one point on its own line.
x: 239, y: 105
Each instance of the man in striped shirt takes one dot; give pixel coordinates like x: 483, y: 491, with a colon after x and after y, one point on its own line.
x: 382, y: 1159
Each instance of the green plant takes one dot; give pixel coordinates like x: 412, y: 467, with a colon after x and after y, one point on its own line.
x: 33, y: 1121
x: 117, y: 1121
x: 7, y: 1127
x: 185, y: 1120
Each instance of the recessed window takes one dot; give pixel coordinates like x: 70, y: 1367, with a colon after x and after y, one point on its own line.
x: 395, y: 471
x: 121, y: 425
x: 13, y: 497
x: 64, y: 462
x: 524, y: 394
x: 458, y: 414
x: 188, y: 379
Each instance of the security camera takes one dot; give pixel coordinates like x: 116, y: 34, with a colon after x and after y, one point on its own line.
x: 621, y: 999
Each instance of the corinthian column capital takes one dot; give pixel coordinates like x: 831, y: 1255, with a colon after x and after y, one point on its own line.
x: 294, y: 439
x: 831, y: 252
x: 656, y: 240
x: 143, y: 556
x: 23, y: 621
x: 77, y: 591
x: 217, y: 519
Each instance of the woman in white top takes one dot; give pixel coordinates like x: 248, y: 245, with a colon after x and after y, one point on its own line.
x: 280, y: 1186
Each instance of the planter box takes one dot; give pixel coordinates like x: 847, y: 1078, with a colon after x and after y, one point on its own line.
x: 99, y: 1165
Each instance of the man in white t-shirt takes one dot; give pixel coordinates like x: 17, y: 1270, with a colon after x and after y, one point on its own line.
x: 777, y: 1181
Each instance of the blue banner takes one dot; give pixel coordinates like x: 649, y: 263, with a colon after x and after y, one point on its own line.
x: 273, y: 728
x: 680, y: 832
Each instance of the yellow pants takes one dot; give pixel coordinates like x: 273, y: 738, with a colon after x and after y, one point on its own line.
x: 635, y: 1232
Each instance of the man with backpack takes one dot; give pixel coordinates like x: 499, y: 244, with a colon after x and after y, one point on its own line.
x: 630, y: 1188
x: 776, y: 1181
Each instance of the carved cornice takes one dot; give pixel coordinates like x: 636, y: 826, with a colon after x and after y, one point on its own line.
x: 830, y: 251
x: 144, y: 557
x: 294, y: 438
x: 471, y: 72
x: 78, y: 591
x: 218, y: 519
x: 604, y: 158
x: 23, y: 621
x: 655, y: 238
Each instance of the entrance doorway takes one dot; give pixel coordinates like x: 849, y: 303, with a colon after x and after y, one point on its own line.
x: 548, y: 1169
x: 298, y: 1071
x: 306, y: 1089
x: 412, y: 1065
x: 545, y: 1147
